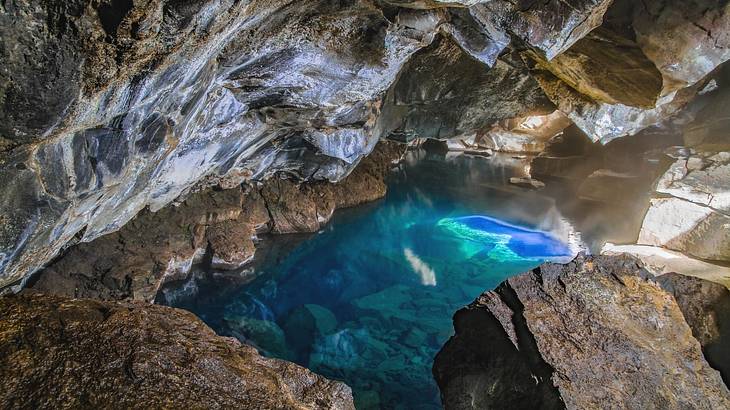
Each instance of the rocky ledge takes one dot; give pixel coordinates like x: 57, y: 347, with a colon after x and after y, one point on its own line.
x: 64, y: 353
x: 598, y: 332
x: 218, y: 227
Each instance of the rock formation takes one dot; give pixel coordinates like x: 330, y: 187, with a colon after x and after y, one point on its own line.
x: 594, y: 333
x: 78, y: 353
x: 147, y: 102
x: 221, y: 226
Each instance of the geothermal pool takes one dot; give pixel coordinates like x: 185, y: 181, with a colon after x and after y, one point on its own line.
x: 369, y: 299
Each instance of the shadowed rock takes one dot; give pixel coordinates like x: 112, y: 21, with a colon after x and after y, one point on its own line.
x: 576, y: 336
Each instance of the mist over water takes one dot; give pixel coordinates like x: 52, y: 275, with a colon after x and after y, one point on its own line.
x: 369, y: 299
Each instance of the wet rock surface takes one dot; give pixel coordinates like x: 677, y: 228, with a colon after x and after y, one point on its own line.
x: 593, y: 333
x: 214, y: 226
x: 148, y: 102
x: 71, y: 353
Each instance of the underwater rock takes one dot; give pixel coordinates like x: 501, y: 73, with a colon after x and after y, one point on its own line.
x: 266, y: 332
x: 59, y: 352
x: 706, y: 307
x: 576, y: 336
x: 305, y: 324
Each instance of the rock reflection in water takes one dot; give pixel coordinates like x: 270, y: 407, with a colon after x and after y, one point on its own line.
x: 369, y: 299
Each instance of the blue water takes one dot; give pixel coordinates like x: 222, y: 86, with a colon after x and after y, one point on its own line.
x: 369, y: 299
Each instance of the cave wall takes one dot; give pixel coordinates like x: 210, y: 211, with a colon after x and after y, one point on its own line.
x: 111, y: 107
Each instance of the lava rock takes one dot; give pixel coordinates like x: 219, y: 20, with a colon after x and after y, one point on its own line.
x: 575, y: 336
x: 61, y: 353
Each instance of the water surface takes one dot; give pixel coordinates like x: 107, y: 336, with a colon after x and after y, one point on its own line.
x: 369, y: 299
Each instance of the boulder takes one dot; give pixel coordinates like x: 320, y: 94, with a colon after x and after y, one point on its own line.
x: 594, y: 333
x: 61, y: 353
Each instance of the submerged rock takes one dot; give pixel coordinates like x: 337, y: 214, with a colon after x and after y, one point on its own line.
x: 594, y: 333
x: 58, y: 353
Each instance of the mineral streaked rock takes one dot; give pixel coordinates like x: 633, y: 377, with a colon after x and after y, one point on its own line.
x: 199, y: 93
x: 552, y: 26
x: 158, y: 247
x: 71, y: 353
x: 594, y: 333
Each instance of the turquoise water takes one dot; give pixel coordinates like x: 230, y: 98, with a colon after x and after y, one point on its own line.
x: 369, y: 299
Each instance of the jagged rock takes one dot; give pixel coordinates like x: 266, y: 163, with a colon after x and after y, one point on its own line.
x: 706, y: 307
x: 701, y: 179
x: 552, y: 26
x: 231, y: 244
x: 576, y: 336
x: 167, y: 97
x: 686, y: 40
x: 444, y: 92
x: 59, y: 353
x: 154, y: 248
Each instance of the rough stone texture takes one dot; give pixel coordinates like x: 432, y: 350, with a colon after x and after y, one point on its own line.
x: 79, y: 353
x: 157, y: 247
x: 109, y: 107
x: 660, y: 261
x: 691, y: 213
x: 608, y: 69
x: 425, y: 102
x: 179, y: 95
x: 706, y: 307
x: 590, y: 334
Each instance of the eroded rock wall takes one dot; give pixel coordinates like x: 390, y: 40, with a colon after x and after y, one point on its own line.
x: 110, y: 107
x: 218, y: 227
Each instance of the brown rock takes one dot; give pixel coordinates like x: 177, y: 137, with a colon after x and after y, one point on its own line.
x: 594, y: 333
x: 78, y: 353
x: 231, y: 244
x: 706, y: 307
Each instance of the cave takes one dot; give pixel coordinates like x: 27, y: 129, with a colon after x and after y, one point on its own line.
x: 365, y: 204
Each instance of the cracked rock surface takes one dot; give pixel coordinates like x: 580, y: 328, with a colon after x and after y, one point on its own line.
x: 580, y: 335
x: 78, y: 353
